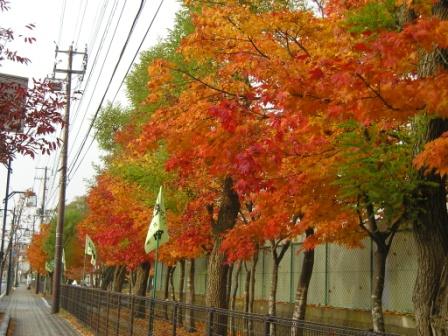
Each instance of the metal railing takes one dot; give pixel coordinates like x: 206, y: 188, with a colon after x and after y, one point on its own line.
x: 109, y: 313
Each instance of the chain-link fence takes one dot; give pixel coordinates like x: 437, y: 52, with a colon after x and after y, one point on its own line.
x: 341, y: 277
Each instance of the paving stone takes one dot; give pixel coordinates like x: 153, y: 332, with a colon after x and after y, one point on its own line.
x: 32, y: 315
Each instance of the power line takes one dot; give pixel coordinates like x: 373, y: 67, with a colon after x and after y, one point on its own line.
x: 96, y: 54
x: 99, y: 17
x: 77, y: 31
x: 111, y: 79
x: 115, y: 69
x: 94, y: 36
x: 73, y: 172
x: 100, y: 71
x: 64, y: 3
x: 57, y: 157
x: 139, y: 47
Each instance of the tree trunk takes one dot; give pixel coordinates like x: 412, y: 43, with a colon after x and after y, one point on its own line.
x: 229, y: 282
x: 107, y: 277
x: 252, y: 290
x: 247, y: 288
x: 181, y: 290
x: 216, y: 294
x: 92, y: 282
x: 377, y: 295
x: 276, y: 259
x: 189, y: 314
x: 431, y: 237
x: 439, y: 320
x: 166, y: 291
x: 150, y: 283
x: 141, y: 284
x: 272, y: 304
x: 431, y: 227
x: 246, y: 297
x: 119, y: 275
x: 166, y: 286
x: 216, y: 286
x: 299, y: 312
x: 37, y: 282
x: 173, y: 291
x: 234, y: 293
x: 50, y: 285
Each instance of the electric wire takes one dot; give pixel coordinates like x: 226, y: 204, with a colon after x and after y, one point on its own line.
x: 73, y: 172
x: 115, y: 69
x: 78, y: 31
x: 99, y: 17
x: 139, y: 48
x: 77, y: 20
x: 110, y: 81
x: 100, y: 13
x: 99, y: 75
x: 64, y: 3
x: 76, y: 113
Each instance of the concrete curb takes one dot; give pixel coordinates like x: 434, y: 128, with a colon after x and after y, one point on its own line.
x: 5, y: 324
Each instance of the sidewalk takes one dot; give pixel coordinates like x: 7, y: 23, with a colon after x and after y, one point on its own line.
x: 32, y: 315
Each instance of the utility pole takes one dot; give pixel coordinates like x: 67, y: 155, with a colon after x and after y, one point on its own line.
x: 63, y: 181
x: 42, y: 216
x: 42, y: 207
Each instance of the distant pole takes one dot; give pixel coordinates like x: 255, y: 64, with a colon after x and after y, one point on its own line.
x: 42, y: 208
x: 42, y: 216
x: 157, y: 237
x: 5, y: 212
x: 63, y: 185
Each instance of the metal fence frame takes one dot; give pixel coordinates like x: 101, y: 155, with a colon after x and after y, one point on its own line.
x: 110, y: 313
x: 342, y: 278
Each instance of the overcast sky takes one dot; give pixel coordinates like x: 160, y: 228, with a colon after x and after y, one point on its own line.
x: 82, y: 22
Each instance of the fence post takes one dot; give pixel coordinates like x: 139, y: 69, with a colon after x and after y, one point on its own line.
x: 131, y: 318
x: 118, y: 314
x: 175, y: 308
x: 100, y: 299
x: 107, y: 312
x: 151, y: 316
x: 210, y: 322
x: 267, y: 325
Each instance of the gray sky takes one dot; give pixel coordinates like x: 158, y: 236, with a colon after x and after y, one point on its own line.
x: 52, y: 28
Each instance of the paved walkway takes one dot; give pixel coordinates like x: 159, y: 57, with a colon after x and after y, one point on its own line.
x: 32, y: 315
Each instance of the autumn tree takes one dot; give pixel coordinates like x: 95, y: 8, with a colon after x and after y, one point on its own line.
x: 29, y: 116
x: 377, y: 181
x: 36, y: 253
x: 365, y: 81
x: 73, y: 245
x: 117, y: 221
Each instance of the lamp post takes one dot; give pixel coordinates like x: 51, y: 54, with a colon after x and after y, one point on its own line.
x: 8, y: 178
